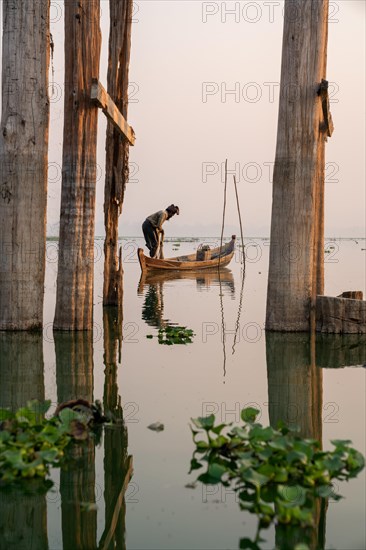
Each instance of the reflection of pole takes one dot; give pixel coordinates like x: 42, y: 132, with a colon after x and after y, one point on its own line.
x: 223, y: 214
x: 295, y: 387
x: 21, y: 376
x: 294, y: 383
x: 112, y: 334
x: 117, y: 464
x: 21, y: 368
x: 74, y: 374
x: 74, y: 365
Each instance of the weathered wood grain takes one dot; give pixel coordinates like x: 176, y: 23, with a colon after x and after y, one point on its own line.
x: 109, y: 108
x: 75, y: 280
x: 296, y: 267
x: 23, y: 162
x: 117, y: 147
x: 340, y: 315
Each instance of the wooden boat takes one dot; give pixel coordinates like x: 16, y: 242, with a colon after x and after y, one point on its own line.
x: 189, y: 263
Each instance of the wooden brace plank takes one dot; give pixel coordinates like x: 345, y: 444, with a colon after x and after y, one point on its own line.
x: 106, y: 538
x: 100, y: 96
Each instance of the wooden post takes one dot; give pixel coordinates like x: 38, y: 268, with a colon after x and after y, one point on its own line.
x: 74, y: 302
x: 117, y: 147
x: 23, y: 162
x: 296, y: 268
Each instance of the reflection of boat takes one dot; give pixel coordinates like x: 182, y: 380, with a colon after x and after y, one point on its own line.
x: 222, y: 256
x: 204, y: 279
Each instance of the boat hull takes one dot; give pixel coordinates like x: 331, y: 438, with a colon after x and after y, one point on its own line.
x: 188, y: 263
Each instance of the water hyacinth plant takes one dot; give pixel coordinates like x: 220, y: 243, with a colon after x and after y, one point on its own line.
x: 277, y: 474
x: 30, y: 443
x: 171, y: 335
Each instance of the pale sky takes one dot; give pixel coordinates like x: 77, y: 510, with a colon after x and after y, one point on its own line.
x: 186, y: 57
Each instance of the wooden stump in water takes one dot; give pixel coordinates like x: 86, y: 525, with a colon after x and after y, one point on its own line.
x: 340, y: 315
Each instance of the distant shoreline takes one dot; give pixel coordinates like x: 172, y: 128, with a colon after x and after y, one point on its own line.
x: 200, y: 237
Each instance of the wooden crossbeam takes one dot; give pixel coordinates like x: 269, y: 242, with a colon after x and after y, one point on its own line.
x: 100, y: 96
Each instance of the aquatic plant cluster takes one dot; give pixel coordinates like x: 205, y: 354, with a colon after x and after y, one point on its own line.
x: 30, y: 443
x: 171, y: 335
x: 277, y: 474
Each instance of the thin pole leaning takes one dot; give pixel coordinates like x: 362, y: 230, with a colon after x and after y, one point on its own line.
x: 223, y: 214
x: 241, y: 225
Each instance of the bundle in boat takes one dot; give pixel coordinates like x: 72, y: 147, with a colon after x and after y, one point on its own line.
x: 203, y: 253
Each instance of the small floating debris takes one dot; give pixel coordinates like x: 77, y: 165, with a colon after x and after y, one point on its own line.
x: 156, y: 427
x: 192, y: 485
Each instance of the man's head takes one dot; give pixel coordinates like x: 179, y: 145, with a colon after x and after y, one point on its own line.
x: 172, y: 209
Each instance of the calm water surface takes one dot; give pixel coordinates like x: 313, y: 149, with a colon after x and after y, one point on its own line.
x: 319, y: 386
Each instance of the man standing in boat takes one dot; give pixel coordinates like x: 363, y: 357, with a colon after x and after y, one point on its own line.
x: 153, y: 230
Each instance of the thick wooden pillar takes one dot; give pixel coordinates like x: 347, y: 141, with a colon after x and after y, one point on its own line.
x: 74, y: 302
x: 23, y: 162
x: 296, y: 272
x: 117, y: 147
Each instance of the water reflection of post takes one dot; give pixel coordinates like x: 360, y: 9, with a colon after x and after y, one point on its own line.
x: 116, y: 461
x: 23, y: 518
x: 74, y: 374
x: 295, y: 387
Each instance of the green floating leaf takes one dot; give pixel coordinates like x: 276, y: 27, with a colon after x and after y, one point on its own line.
x: 5, y: 414
x: 67, y: 416
x: 258, y: 433
x: 49, y: 455
x: 216, y: 471
x: 202, y: 445
x: 341, y: 443
x: 278, y: 444
x: 249, y: 414
x: 219, y: 442
x: 195, y: 465
x: 247, y: 544
x: 254, y: 478
x: 296, y: 456
x: 39, y: 408
x: 207, y: 479
x: 204, y: 422
x: 218, y: 429
x: 295, y: 495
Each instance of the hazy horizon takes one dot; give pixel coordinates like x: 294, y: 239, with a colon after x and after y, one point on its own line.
x: 204, y: 87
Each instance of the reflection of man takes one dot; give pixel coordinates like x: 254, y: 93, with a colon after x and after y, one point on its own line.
x: 153, y: 230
